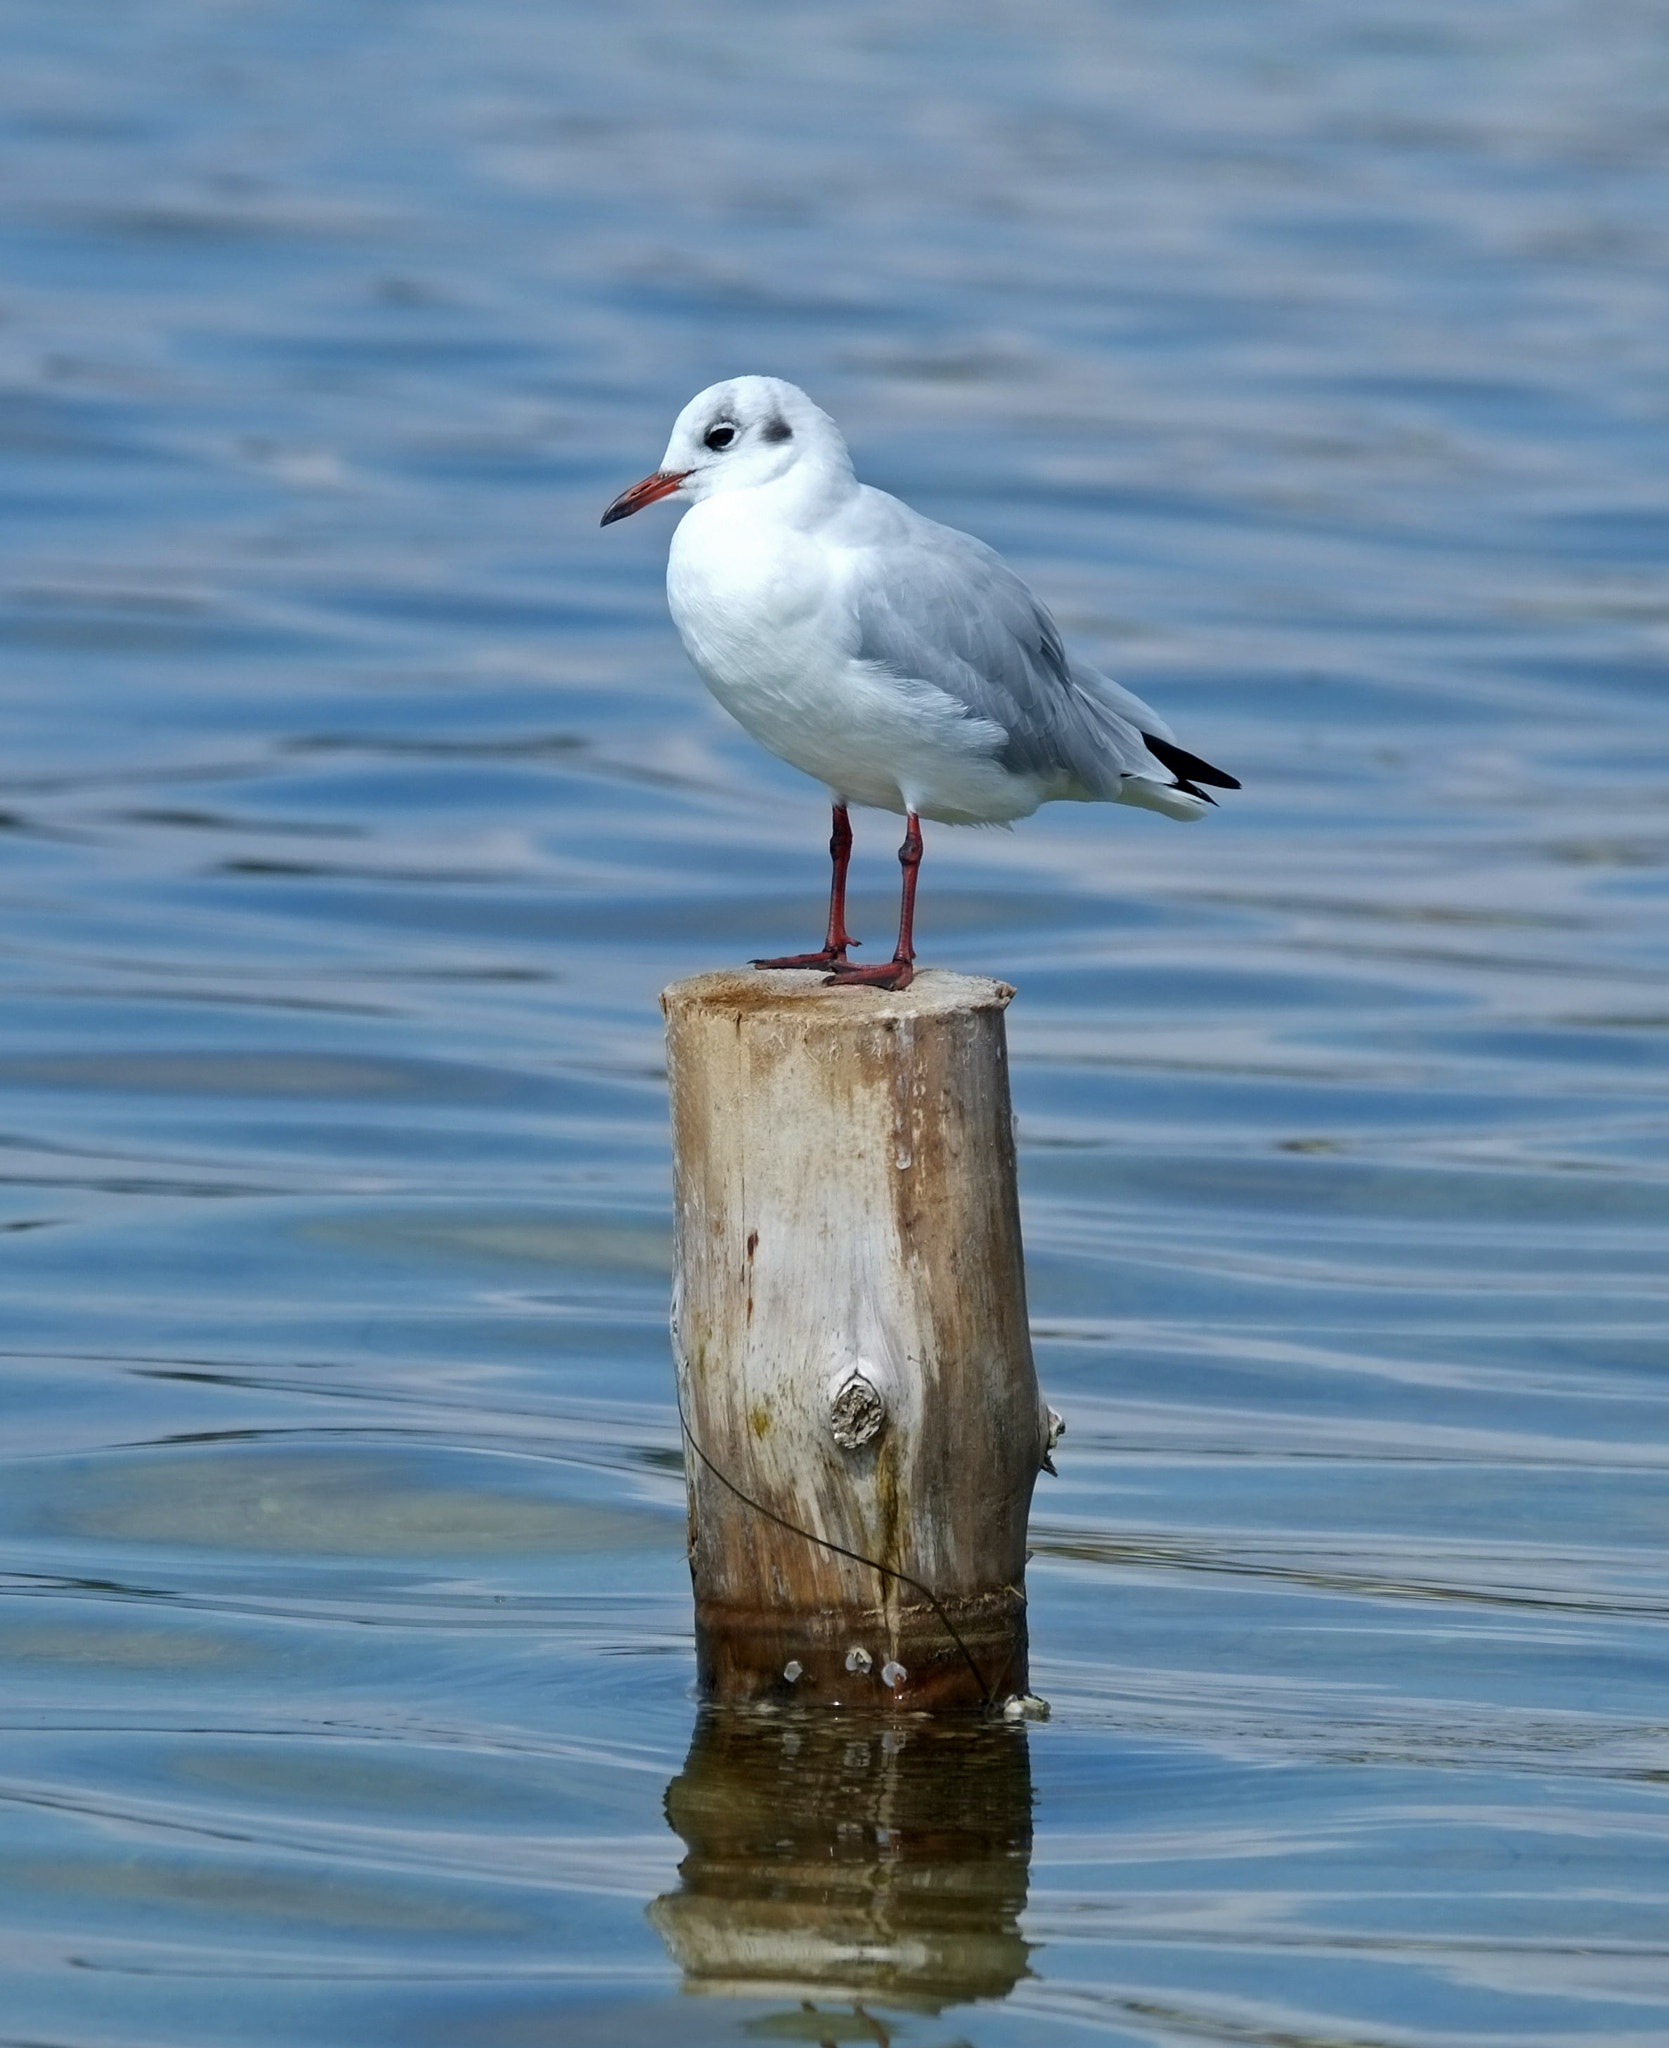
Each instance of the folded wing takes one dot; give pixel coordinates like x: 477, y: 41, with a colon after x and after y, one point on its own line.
x: 937, y: 607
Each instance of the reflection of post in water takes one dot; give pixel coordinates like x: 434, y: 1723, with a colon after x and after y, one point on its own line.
x: 834, y: 1855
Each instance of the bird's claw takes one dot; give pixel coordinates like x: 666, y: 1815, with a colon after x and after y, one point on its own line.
x: 823, y: 959
x: 892, y: 974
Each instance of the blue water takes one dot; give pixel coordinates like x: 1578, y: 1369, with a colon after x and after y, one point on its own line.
x: 358, y: 801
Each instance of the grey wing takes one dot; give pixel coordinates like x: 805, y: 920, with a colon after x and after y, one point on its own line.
x: 941, y: 608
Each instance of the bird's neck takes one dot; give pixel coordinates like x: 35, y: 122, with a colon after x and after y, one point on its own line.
x: 804, y: 497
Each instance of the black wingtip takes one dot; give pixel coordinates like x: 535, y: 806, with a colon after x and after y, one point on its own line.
x: 1187, y: 768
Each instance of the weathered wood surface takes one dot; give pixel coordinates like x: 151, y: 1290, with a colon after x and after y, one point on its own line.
x: 849, y: 1327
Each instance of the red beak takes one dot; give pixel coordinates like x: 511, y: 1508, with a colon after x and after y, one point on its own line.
x: 661, y: 485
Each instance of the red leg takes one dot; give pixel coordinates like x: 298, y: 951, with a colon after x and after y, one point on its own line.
x: 896, y: 972
x: 838, y: 938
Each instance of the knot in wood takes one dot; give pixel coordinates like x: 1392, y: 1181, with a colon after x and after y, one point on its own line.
x: 857, y: 1412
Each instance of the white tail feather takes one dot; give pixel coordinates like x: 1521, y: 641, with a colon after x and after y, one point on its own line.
x: 1161, y: 796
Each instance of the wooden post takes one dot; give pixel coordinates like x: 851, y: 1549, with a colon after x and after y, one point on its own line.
x: 849, y: 1327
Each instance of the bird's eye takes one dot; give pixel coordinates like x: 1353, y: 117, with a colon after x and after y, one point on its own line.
x: 720, y: 436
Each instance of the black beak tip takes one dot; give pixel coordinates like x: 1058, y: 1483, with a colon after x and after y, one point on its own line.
x: 614, y: 512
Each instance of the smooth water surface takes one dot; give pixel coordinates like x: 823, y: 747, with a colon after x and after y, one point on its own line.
x: 358, y: 801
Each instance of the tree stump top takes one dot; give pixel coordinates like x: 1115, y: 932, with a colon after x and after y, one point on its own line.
x: 749, y: 990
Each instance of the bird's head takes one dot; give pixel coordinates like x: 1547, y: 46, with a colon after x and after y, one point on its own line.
x: 737, y: 436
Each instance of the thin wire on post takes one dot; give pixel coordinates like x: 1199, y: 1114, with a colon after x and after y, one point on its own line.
x: 823, y: 1542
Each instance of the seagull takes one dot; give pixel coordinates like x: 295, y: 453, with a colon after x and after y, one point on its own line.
x: 901, y: 663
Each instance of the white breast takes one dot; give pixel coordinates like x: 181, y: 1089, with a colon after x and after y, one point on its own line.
x: 757, y: 604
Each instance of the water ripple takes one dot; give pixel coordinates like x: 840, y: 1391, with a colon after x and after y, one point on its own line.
x: 357, y: 803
